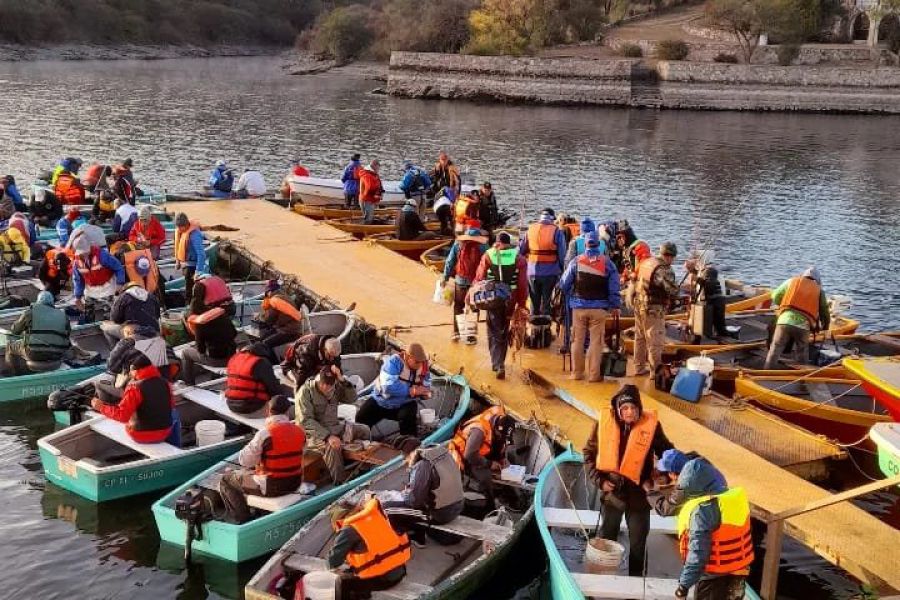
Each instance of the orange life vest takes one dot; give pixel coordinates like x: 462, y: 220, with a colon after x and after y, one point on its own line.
x: 574, y: 229
x: 731, y: 549
x: 637, y: 252
x: 182, y: 241
x: 385, y: 548
x: 150, y: 282
x: 646, y: 288
x: 465, y: 209
x: 68, y: 190
x: 92, y: 175
x: 202, y: 319
x: 803, y: 296
x: 282, y: 454
x: 542, y: 243
x: 277, y: 303
x: 637, y: 446
x: 484, y: 423
x: 239, y: 381
x: 52, y: 267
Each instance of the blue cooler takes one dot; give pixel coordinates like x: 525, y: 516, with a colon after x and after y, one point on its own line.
x: 688, y: 385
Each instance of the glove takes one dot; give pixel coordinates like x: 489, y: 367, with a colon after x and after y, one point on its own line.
x: 681, y: 592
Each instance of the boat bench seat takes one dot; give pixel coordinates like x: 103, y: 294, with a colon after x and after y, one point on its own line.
x: 404, y: 590
x: 215, y: 402
x: 475, y: 529
x: 569, y: 518
x: 116, y: 432
x: 274, y: 503
x: 615, y: 587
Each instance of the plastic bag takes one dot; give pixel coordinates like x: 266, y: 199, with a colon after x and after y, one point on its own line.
x: 443, y: 294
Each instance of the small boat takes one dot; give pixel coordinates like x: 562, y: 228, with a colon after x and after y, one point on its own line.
x: 356, y: 226
x: 279, y: 518
x: 317, y: 191
x: 206, y: 195
x: 337, y: 211
x: 567, y: 510
x: 49, y: 234
x: 886, y: 437
x: 836, y: 407
x: 435, y: 258
x: 240, y: 290
x: 880, y: 377
x: 435, y: 570
x: 27, y: 288
x: 409, y: 248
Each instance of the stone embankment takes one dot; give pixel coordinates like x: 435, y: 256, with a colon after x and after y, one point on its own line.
x: 634, y: 83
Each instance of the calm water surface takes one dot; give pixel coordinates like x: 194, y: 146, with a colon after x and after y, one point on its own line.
x: 770, y: 193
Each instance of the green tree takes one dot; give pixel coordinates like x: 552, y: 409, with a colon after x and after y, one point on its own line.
x: 344, y: 33
x: 513, y: 27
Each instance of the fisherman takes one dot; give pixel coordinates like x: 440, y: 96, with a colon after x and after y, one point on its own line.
x: 44, y: 331
x: 214, y: 334
x: 490, y: 210
x: 308, y: 355
x: 467, y: 208
x: 403, y: 379
x: 591, y: 285
x: 44, y: 206
x: 545, y: 249
x: 97, y: 274
x: 619, y: 459
x: 569, y: 226
x: 250, y: 380
x: 68, y: 224
x: 94, y: 179
x: 210, y: 291
x: 409, y: 224
x: 317, y: 403
x: 577, y: 245
x: 656, y: 290
x: 350, y: 179
x: 123, y: 187
x: 9, y: 189
x: 137, y: 342
x: 503, y: 264
x: 66, y: 185
x: 280, y: 322
x: 134, y: 305
x: 443, y: 209
x: 272, y: 463
x: 125, y: 218
x: 15, y: 247
x: 632, y: 251
x: 713, y: 527
x: 250, y: 184
x: 624, y: 237
x: 708, y: 292
x: 434, y: 491
x: 371, y: 190
x: 190, y: 255
x: 802, y: 309
x: 104, y: 208
x: 221, y: 180
x: 446, y: 174
x: 92, y: 234
x: 462, y: 264
x: 147, y: 406
x: 126, y: 172
x: 415, y: 184
x: 148, y: 232
x: 56, y: 270
x: 479, y: 448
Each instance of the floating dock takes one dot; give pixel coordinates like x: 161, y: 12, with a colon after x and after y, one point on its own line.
x: 394, y: 293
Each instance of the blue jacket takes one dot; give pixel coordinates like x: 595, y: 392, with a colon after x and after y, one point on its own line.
x: 567, y: 285
x: 390, y: 391
x: 196, y: 254
x: 351, y: 183
x: 698, y: 478
x: 453, y: 258
x: 64, y: 228
x: 547, y: 269
x: 410, y: 186
x: 13, y: 192
x: 107, y: 260
x: 221, y: 181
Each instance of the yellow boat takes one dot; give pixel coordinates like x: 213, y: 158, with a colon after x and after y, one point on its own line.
x: 410, y: 248
x: 881, y: 378
x: 337, y: 212
x: 357, y: 227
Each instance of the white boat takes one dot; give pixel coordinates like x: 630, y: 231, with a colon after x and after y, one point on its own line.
x: 318, y: 191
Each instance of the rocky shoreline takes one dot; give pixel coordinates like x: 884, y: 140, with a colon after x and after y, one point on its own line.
x: 16, y: 53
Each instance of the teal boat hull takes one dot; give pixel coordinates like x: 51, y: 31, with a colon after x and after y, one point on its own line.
x: 42, y: 384
x: 237, y: 543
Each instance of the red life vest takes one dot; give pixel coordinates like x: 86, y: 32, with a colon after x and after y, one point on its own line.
x: 239, y: 382
x: 282, y: 454
x: 68, y: 190
x: 92, y: 175
x: 93, y: 273
x: 215, y: 291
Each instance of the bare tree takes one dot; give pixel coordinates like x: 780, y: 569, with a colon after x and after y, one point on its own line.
x: 741, y: 18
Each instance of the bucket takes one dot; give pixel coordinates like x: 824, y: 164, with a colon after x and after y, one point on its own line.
x: 347, y: 412
x: 427, y: 416
x: 209, y: 432
x: 467, y: 323
x: 705, y: 365
x: 172, y: 328
x: 603, y: 556
x: 320, y: 585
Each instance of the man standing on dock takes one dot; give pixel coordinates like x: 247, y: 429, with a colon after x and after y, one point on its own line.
x: 544, y: 246
x: 350, y: 179
x: 370, y: 190
x: 656, y: 290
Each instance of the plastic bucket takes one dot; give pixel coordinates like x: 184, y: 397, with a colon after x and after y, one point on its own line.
x: 603, y: 556
x: 209, y: 432
x: 172, y: 328
x: 347, y: 412
x: 705, y: 365
x: 320, y: 585
x: 467, y: 323
x: 427, y: 416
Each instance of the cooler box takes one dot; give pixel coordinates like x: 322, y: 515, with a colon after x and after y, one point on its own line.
x: 688, y: 385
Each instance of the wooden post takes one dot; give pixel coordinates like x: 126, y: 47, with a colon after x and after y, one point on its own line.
x: 774, y: 536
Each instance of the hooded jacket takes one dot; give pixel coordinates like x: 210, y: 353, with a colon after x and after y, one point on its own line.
x: 350, y: 177
x: 307, y: 356
x: 124, y: 352
x: 138, y: 305
x: 415, y: 181
x: 546, y: 269
x: 567, y: 283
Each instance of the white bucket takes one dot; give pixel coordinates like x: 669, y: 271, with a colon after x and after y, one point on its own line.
x: 705, y: 365
x: 427, y: 416
x: 603, y: 556
x: 209, y: 432
x: 320, y: 585
x: 347, y: 412
x: 467, y: 323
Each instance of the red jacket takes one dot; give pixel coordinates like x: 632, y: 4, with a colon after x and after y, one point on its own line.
x: 154, y: 235
x: 370, y: 188
x: 520, y: 295
x: 131, y: 401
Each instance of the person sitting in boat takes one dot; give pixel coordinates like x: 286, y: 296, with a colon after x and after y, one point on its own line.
x: 479, y: 448
x: 134, y: 305
x: 490, y: 210
x: 56, y: 270
x: 374, y: 554
x: 250, y: 380
x: 250, y: 184
x: 140, y: 268
x: 371, y: 190
x: 123, y: 188
x: 66, y: 185
x: 9, y: 189
x: 45, y: 332
x: 415, y: 184
x: 210, y: 291
x: 146, y: 406
x: 214, y: 334
x: 15, y: 247
x: 221, y: 180
x: 446, y: 174
x: 317, y: 403
x: 308, y: 355
x: 104, y: 208
x: 126, y: 172
x: 272, y: 463
x: 410, y: 226
x: 296, y: 170
x: 403, y: 379
x: 462, y: 264
x: 708, y: 292
x: 350, y: 179
x: 467, y: 208
x: 95, y: 178
x: 190, y: 255
x: 44, y: 206
x: 713, y: 526
x: 97, y: 274
x: 434, y: 492
x: 68, y: 224
x: 443, y: 209
x: 802, y: 308
x: 137, y: 341
x: 280, y: 322
x: 124, y: 219
x: 148, y: 232
x: 619, y: 458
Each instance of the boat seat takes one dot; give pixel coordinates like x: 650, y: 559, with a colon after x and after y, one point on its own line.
x: 116, y: 432
x: 475, y: 529
x: 569, y: 518
x: 276, y: 503
x: 305, y: 563
x: 43, y: 366
x: 614, y: 587
x: 215, y: 402
x: 404, y: 590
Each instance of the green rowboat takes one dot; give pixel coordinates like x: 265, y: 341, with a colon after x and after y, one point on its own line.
x: 887, y: 439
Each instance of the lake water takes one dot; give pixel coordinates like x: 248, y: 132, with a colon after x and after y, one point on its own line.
x: 770, y: 193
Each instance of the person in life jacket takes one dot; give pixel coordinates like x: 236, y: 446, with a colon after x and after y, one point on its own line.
x: 462, y: 264
x: 466, y: 209
x: 591, y: 286
x: 97, y: 274
x: 44, y: 206
x: 124, y: 219
x: 445, y: 174
x: 9, y: 189
x: 713, y: 526
x: 123, y: 187
x: 56, y: 270
x: 415, y: 184
x: 578, y: 245
x: 45, y: 337
x: 221, y: 180
x: 371, y: 190
x: 308, y: 355
x: 802, y: 310
x: 104, y: 208
x: 350, y: 179
x: 250, y: 380
x: 619, y: 458
x: 317, y: 412
x: 504, y: 264
x: 403, y: 378
x: 147, y: 405
x: 479, y: 447
x: 368, y: 543
x: 14, y: 247
x: 68, y: 188
x: 68, y: 224
x: 95, y: 178
x: 544, y: 247
x: 190, y: 255
x: 434, y: 491
x: 655, y: 292
x: 410, y: 225
x: 570, y: 227
x: 140, y: 268
x: 137, y: 341
x: 280, y: 321
x: 210, y: 291
x: 707, y: 291
x: 271, y: 464
x: 134, y: 305
x: 148, y: 232
x: 214, y: 336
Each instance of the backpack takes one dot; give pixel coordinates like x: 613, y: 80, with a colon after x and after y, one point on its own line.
x: 490, y: 295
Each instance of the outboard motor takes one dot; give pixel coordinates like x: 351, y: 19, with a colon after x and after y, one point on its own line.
x: 71, y: 401
x: 191, y: 508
